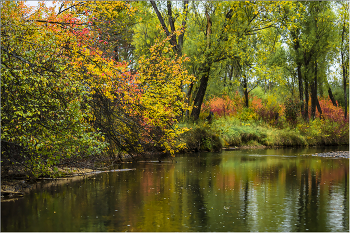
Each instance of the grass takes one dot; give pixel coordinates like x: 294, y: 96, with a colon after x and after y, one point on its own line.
x: 237, y: 133
x: 232, y: 131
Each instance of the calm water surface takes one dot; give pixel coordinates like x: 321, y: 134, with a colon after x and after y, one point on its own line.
x: 248, y: 190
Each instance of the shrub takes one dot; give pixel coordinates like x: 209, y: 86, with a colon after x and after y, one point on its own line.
x: 331, y: 112
x: 290, y: 138
x: 235, y: 133
x: 247, y: 115
x: 223, y: 106
x: 292, y: 110
x: 201, y: 138
x: 325, y: 132
x: 269, y: 114
x: 269, y: 111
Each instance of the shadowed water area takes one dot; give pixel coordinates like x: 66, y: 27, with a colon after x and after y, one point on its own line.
x: 247, y: 190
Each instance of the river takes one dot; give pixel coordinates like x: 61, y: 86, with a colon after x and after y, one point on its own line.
x: 243, y: 190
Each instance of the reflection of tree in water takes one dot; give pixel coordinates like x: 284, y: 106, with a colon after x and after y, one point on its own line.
x: 308, y: 200
x: 199, y: 209
x: 346, y: 199
x: 303, y: 200
x: 245, y: 201
x: 204, y: 161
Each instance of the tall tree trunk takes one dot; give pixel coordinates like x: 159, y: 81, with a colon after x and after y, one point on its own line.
x: 314, y: 93
x: 205, y: 71
x: 345, y: 65
x: 301, y: 89
x: 172, y: 25
x: 201, y: 91
x: 330, y: 94
x: 345, y: 97
x: 318, y: 107
x: 245, y: 90
x: 183, y: 28
x: 177, y: 45
x: 296, y: 47
x: 306, y: 108
x: 345, y: 76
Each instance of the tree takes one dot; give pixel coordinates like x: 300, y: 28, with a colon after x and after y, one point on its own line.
x: 62, y: 96
x: 112, y: 22
x: 293, y: 35
x: 317, y: 46
x: 177, y: 43
x: 43, y: 114
x: 229, y: 28
x: 343, y: 25
x: 310, y: 37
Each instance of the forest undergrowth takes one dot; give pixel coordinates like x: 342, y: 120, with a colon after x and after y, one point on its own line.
x: 266, y: 123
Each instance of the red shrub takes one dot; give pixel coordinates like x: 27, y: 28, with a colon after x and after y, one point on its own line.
x: 331, y: 112
x: 267, y: 112
x: 223, y: 106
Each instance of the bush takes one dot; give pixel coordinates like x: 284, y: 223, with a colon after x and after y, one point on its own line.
x: 331, y: 112
x: 244, y: 128
x: 268, y: 110
x: 248, y: 115
x: 201, y: 138
x: 289, y: 138
x: 223, y: 106
x: 235, y: 133
x: 325, y: 132
x: 292, y: 110
x: 269, y: 114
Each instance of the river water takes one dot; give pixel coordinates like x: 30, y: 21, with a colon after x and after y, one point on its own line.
x: 246, y: 190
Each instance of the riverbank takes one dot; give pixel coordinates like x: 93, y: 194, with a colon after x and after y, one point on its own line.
x: 228, y: 132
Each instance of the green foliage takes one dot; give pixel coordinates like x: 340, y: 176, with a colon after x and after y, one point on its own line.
x: 201, y: 138
x: 292, y: 110
x: 65, y: 93
x: 332, y: 129
x: 62, y: 97
x: 289, y: 138
x: 248, y: 115
x: 43, y: 114
x: 259, y: 93
x: 235, y: 133
x: 338, y: 94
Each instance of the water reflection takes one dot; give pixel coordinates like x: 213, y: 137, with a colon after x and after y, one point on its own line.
x: 260, y: 190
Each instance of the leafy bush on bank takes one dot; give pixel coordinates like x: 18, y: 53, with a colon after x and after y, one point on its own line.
x: 201, y: 138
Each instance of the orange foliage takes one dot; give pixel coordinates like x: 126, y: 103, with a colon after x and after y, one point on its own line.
x: 224, y: 106
x: 331, y: 112
x: 269, y: 113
